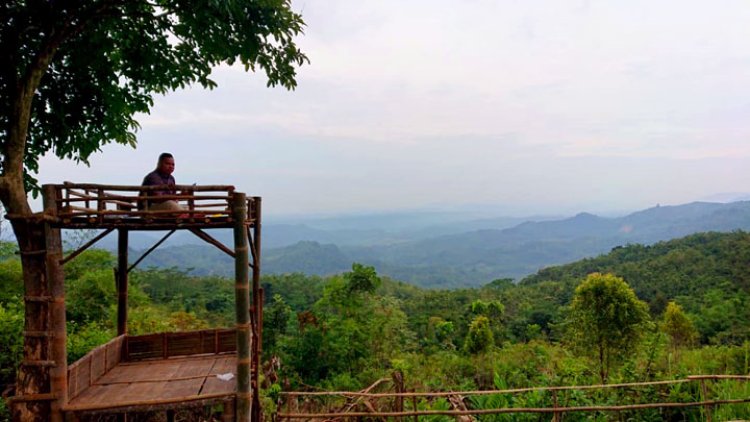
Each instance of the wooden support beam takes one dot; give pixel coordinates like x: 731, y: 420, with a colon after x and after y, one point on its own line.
x: 227, y: 414
x: 258, y: 306
x: 88, y: 244
x: 211, y: 240
x: 137, y: 188
x: 151, y: 249
x: 242, y: 309
x: 33, y: 397
x: 122, y: 281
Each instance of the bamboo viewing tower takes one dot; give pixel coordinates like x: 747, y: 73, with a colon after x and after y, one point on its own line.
x: 161, y: 371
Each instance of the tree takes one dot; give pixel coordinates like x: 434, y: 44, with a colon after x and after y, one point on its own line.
x: 75, y: 73
x: 362, y: 278
x: 480, y: 338
x: 275, y: 322
x: 606, y: 319
x: 678, y: 326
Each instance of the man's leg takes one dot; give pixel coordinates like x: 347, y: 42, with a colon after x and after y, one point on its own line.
x: 167, y: 206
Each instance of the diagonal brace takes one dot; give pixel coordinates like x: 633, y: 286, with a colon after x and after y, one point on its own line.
x: 88, y: 244
x: 138, y: 261
x: 209, y: 239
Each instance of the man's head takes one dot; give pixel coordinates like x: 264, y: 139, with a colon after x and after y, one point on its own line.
x: 165, y: 164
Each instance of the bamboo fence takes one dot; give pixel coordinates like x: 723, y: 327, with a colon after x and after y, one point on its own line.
x: 366, y: 404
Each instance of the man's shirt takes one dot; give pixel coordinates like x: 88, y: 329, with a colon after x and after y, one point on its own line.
x: 154, y: 179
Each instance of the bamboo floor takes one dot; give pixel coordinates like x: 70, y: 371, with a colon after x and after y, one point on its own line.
x: 158, y: 382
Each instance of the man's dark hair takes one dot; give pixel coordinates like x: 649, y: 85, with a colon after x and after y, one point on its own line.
x: 164, y: 155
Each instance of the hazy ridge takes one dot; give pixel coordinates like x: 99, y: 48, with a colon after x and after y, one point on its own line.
x: 506, y: 247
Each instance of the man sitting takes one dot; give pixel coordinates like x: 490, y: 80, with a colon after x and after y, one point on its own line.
x: 162, y: 176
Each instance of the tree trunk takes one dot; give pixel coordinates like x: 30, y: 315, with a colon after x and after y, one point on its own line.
x: 44, y: 354
x: 33, y: 375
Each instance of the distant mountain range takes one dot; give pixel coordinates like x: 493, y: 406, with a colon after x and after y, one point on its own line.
x: 457, y: 253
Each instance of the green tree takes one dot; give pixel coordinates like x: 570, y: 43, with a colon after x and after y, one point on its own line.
x: 11, y: 336
x: 678, y: 326
x: 75, y: 73
x: 606, y: 319
x: 439, y: 333
x: 362, y: 279
x: 480, y: 337
x: 275, y: 322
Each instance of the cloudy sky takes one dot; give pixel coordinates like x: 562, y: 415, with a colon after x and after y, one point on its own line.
x: 529, y: 107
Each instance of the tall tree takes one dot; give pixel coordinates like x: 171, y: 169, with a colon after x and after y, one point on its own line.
x: 678, y: 326
x: 606, y: 319
x: 75, y: 73
x: 480, y: 338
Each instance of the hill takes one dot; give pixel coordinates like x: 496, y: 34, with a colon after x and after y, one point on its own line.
x: 707, y: 273
x: 476, y: 257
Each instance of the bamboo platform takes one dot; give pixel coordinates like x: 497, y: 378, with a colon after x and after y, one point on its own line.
x: 139, y: 373
x: 143, y: 372
x: 145, y: 384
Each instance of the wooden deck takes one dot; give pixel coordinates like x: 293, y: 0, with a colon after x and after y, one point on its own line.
x: 91, y: 206
x: 157, y: 382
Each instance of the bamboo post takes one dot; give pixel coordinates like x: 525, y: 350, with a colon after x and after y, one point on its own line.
x: 100, y: 205
x: 556, y: 415
x: 122, y: 281
x: 258, y: 305
x: 707, y: 407
x: 227, y: 414
x: 56, y: 287
x: 242, y: 305
x: 398, y: 383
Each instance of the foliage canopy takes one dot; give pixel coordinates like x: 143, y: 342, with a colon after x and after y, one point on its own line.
x: 76, y: 73
x: 606, y: 319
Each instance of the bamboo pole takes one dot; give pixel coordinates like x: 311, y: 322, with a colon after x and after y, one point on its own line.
x: 227, y: 414
x: 125, y: 199
x: 483, y: 392
x: 258, y: 306
x: 56, y: 287
x: 136, y: 405
x: 556, y: 415
x: 137, y: 188
x: 83, y: 248
x: 211, y: 240
x: 242, y: 308
x: 707, y: 407
x: 151, y: 249
x: 122, y: 281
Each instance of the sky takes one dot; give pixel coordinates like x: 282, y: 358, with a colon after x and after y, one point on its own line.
x: 521, y: 107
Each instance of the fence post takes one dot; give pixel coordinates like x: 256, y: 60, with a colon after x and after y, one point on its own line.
x: 398, y: 383
x: 414, y: 400
x: 556, y: 414
x: 706, y: 407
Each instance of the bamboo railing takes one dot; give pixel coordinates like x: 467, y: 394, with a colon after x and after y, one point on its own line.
x: 366, y: 404
x: 92, y: 366
x: 87, y: 205
x: 167, y: 345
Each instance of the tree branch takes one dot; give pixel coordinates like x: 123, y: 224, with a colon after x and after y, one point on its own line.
x: 12, y: 191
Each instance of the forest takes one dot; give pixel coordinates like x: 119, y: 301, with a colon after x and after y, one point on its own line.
x: 639, y: 313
